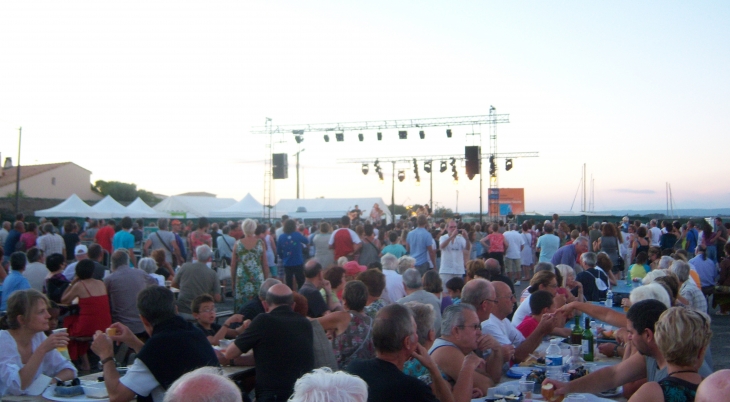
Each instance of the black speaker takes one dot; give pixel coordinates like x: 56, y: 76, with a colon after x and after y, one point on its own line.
x: 280, y: 166
x: 473, y: 155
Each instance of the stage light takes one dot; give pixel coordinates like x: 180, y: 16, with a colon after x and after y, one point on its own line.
x: 380, y: 136
x: 492, y: 166
x: 378, y: 170
x: 508, y: 165
x: 455, y: 175
x: 427, y: 166
x: 422, y: 134
x: 380, y: 176
x: 453, y: 163
x: 365, y: 168
x: 415, y: 170
x: 448, y: 133
x: 443, y: 167
x: 340, y: 137
x: 299, y: 139
x: 401, y: 175
x: 360, y: 137
x: 403, y: 134
x: 326, y: 138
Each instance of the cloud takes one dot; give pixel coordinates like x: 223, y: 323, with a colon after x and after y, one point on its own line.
x: 633, y: 191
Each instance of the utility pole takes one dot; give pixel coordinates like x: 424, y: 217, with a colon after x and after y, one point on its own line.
x: 392, y: 193
x: 297, y: 155
x: 17, y: 180
x: 430, y: 198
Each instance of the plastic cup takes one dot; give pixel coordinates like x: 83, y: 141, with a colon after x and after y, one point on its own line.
x: 111, y: 331
x: 63, y: 350
x: 526, y: 387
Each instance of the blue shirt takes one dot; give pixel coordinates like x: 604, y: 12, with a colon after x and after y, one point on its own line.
x: 396, y: 249
x: 10, y: 241
x: 548, y: 245
x: 420, y: 240
x: 692, y: 237
x: 289, y: 246
x: 14, y: 281
x: 706, y: 268
x: 123, y: 239
x: 565, y: 255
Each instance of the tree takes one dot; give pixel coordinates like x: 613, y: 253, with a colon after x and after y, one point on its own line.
x: 123, y: 191
x: 442, y: 212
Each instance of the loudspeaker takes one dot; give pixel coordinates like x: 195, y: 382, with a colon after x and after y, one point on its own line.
x: 280, y: 166
x: 473, y: 155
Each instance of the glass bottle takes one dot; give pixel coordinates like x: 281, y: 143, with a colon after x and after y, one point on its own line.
x: 588, y: 342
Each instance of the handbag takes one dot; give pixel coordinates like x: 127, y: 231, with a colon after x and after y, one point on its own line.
x: 174, y: 257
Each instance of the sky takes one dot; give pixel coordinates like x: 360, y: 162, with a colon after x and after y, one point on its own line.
x: 165, y: 94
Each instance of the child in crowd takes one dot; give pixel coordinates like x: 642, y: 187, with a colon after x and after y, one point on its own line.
x: 454, y: 286
x: 395, y: 247
x: 55, y: 312
x: 541, y: 302
x: 639, y: 270
x: 203, y: 308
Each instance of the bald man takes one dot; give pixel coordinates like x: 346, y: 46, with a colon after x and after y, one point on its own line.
x: 714, y: 388
x: 282, y: 344
x: 201, y: 385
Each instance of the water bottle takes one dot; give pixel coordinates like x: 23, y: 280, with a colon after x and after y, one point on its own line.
x: 609, y: 298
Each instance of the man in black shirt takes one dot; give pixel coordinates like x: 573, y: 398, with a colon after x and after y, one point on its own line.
x: 254, y: 307
x: 396, y: 341
x: 592, y: 278
x: 282, y: 345
x: 315, y: 281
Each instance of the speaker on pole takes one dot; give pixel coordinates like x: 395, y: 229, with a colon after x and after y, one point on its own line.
x: 473, y: 155
x: 280, y: 166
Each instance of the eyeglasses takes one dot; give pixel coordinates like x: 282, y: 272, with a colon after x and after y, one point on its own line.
x: 553, y: 286
x: 477, y: 327
x: 510, y: 297
x: 493, y: 301
x: 207, y: 310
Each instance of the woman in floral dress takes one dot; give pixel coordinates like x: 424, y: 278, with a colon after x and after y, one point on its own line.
x: 249, y: 267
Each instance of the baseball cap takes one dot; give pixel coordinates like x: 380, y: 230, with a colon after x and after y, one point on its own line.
x: 80, y: 250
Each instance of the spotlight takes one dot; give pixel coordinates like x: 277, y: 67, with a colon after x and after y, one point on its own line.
x: 326, y: 138
x: 299, y: 138
x: 422, y: 134
x: 492, y: 166
x: 455, y: 175
x: 380, y: 176
x: 360, y: 137
x: 403, y: 134
x: 448, y: 133
x: 415, y: 170
x: 427, y: 166
x: 365, y: 168
x: 401, y: 175
x: 378, y: 170
x: 508, y: 165
x: 443, y: 167
x: 453, y: 163
x: 380, y: 136
x: 340, y: 137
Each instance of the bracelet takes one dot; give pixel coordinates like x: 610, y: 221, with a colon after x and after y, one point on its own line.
x: 108, y: 359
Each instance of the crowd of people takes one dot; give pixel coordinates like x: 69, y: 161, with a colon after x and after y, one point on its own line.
x: 415, y: 310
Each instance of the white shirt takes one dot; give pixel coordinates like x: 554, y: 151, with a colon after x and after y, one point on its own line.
x: 10, y: 363
x: 656, y: 235
x: 140, y: 380
x: 35, y: 273
x: 452, y: 256
x: 70, y: 271
x: 522, y: 311
x: 502, y: 330
x: 515, y: 241
x: 393, y: 286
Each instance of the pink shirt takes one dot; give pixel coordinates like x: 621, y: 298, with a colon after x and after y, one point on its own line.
x: 496, y: 243
x: 528, y: 326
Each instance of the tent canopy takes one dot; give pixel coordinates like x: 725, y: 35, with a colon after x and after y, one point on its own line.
x: 72, y: 207
x: 140, y: 209
x: 108, y: 207
x: 330, y: 208
x: 189, y: 206
x: 248, y: 207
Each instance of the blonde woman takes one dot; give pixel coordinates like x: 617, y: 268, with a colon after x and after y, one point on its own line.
x: 568, y: 284
x: 249, y: 267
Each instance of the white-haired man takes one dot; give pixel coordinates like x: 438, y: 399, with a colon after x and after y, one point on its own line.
x: 194, y: 279
x: 393, y: 280
x: 202, y: 385
x: 413, y: 286
x: 337, y: 386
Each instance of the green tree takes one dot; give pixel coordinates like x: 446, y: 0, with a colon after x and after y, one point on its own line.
x: 442, y: 212
x: 399, y: 209
x: 12, y: 195
x: 123, y: 191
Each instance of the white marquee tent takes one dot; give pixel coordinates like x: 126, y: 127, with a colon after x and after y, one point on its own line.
x: 107, y: 208
x: 140, y: 209
x: 189, y: 206
x: 330, y: 208
x: 248, y: 207
x: 72, y: 207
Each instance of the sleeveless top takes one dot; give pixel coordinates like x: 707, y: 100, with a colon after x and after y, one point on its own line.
x: 439, y: 343
x: 356, y: 342
x: 678, y: 390
x: 640, y: 248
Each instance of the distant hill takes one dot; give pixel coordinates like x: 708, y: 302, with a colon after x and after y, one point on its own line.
x: 681, y: 212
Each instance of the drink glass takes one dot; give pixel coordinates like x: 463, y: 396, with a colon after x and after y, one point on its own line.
x: 527, y: 387
x: 63, y: 350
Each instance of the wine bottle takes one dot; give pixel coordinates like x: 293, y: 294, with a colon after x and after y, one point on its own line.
x: 588, y: 342
x: 576, y: 336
